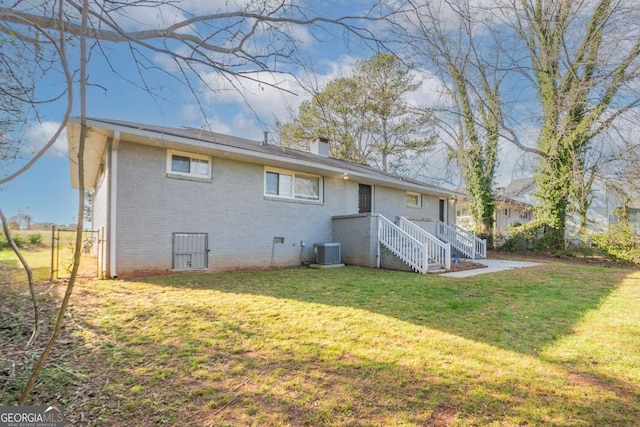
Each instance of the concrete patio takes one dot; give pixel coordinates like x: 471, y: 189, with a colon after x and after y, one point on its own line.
x: 493, y: 265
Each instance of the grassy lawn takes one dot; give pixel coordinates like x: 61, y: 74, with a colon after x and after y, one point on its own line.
x: 554, y: 345
x: 11, y: 269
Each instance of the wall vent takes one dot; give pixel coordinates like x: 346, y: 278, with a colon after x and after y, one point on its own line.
x: 327, y: 253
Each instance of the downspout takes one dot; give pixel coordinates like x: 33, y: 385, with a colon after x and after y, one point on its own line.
x: 378, y: 252
x: 112, y: 198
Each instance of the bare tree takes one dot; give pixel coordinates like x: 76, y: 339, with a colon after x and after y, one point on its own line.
x: 443, y: 37
x: 564, y: 70
x: 584, y: 66
x: 236, y: 42
x: 17, y: 83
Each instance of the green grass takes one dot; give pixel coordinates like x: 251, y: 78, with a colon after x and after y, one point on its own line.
x: 11, y: 269
x: 57, y: 383
x: 550, y: 345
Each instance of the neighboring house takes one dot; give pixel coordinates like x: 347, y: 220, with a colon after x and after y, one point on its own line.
x: 513, y: 207
x: 510, y: 212
x: 168, y: 199
x: 608, y: 204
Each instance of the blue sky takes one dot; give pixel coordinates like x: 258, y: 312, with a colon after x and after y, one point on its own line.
x: 44, y: 190
x: 245, y: 110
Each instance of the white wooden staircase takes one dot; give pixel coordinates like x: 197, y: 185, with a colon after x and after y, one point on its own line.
x: 414, y: 246
x: 461, y: 240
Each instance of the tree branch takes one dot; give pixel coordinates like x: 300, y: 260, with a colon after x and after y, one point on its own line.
x: 29, y: 272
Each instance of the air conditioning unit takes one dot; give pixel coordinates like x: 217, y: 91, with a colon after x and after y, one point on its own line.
x: 327, y: 253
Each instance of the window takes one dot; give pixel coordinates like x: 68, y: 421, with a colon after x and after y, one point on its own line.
x: 463, y: 212
x: 307, y: 187
x: 292, y: 185
x: 188, y: 164
x: 506, y: 212
x: 413, y: 200
x: 525, y: 215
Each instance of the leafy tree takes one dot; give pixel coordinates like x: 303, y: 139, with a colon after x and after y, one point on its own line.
x: 336, y: 113
x: 365, y: 116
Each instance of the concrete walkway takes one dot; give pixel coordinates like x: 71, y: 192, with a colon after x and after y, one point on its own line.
x: 493, y: 265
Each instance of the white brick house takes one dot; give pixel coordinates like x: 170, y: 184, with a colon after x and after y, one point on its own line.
x: 178, y: 199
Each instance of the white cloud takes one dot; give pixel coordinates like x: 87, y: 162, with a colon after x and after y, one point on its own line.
x: 244, y: 126
x: 432, y: 92
x: 220, y: 126
x: 268, y: 96
x: 341, y: 67
x: 515, y: 163
x: 39, y: 134
x: 244, y: 107
x: 144, y: 16
x: 190, y: 113
x: 301, y: 35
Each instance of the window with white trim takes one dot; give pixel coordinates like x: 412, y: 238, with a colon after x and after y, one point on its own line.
x: 414, y: 200
x: 188, y: 164
x: 292, y: 185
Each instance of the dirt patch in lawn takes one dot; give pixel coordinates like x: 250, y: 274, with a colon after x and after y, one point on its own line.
x: 465, y: 264
x: 620, y: 387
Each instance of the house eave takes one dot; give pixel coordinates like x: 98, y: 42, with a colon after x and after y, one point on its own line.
x: 95, y: 146
x: 99, y: 132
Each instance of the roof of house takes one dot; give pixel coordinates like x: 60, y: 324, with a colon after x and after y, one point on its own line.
x: 216, y: 144
x: 518, y: 186
x: 509, y: 202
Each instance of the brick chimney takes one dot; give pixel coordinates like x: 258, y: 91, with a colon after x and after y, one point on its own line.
x: 320, y: 147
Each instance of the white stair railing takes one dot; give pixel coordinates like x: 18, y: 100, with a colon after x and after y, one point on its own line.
x: 462, y: 240
x: 480, y: 244
x: 437, y: 250
x: 400, y: 243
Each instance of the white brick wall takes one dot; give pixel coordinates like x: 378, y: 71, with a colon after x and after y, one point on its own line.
x: 231, y: 208
x: 392, y: 203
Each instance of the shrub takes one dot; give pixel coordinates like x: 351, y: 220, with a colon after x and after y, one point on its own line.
x: 18, y: 240
x: 4, y: 244
x: 524, y: 237
x: 620, y: 243
x: 532, y: 237
x: 35, y: 239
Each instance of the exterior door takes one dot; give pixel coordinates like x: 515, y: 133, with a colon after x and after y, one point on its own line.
x: 442, y: 211
x: 364, y: 198
x: 190, y: 251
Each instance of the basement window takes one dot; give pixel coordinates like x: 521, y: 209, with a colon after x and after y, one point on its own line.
x: 188, y: 164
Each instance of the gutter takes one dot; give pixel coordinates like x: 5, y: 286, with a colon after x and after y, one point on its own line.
x: 208, y: 146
